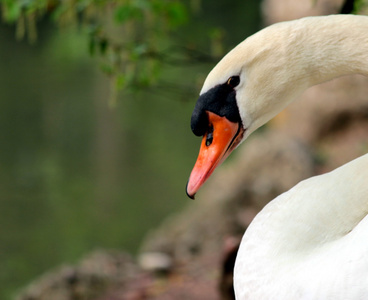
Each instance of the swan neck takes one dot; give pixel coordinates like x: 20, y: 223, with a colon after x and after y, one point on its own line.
x: 335, y: 50
x: 285, y: 59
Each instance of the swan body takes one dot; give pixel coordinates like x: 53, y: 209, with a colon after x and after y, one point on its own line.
x: 312, y: 241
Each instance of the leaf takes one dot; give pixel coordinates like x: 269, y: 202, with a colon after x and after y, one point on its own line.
x: 120, y: 81
x: 20, y: 28
x: 107, y: 68
x: 11, y: 11
x: 92, y: 45
x: 125, y: 12
x: 142, y: 4
x: 103, y: 44
x: 177, y: 14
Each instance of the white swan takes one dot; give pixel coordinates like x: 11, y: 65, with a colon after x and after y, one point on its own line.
x: 312, y: 241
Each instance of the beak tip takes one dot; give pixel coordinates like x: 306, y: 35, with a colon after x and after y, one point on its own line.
x: 191, y: 196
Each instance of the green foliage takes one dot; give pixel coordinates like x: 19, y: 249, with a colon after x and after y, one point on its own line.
x: 126, y: 34
x: 129, y: 37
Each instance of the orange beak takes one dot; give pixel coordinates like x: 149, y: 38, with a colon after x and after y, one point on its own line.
x: 221, y: 139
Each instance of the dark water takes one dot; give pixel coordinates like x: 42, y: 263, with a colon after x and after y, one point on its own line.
x: 74, y: 174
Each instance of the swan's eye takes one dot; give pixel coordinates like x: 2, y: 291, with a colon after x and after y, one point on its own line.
x: 233, y: 81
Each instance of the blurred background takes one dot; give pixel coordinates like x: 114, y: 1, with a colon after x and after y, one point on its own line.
x: 95, y: 143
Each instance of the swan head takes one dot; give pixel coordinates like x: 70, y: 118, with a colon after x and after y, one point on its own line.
x: 249, y: 86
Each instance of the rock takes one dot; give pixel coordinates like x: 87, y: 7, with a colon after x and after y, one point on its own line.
x: 155, y: 262
x: 92, y: 277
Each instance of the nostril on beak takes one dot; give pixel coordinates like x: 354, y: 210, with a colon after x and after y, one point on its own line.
x: 209, y: 137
